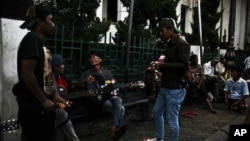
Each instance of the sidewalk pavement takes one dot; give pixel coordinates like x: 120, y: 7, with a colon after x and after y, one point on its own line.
x: 203, y: 126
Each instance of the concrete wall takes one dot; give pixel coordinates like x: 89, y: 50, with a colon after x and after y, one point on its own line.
x: 11, y: 36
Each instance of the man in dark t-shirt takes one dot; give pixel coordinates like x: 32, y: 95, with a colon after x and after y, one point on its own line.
x: 35, y: 91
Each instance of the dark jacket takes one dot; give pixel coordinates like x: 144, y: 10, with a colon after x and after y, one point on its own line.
x: 176, y: 62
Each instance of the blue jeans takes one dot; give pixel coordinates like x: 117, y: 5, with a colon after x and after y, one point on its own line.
x: 168, y: 101
x: 64, y: 129
x: 114, y: 105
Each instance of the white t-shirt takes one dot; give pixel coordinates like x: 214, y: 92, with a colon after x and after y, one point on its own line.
x: 220, y: 67
x: 247, y: 63
x: 208, y: 69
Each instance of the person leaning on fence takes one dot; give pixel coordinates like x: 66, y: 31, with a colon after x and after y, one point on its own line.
x: 90, y: 80
x: 172, y: 90
x: 36, y: 91
x: 64, y: 130
x: 236, y: 89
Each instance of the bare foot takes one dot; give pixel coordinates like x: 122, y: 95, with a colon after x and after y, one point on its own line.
x: 213, y: 111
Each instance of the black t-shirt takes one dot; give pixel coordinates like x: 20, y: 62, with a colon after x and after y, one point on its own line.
x: 31, y: 46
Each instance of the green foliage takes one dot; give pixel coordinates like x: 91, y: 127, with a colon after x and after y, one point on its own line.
x: 209, y: 18
x: 80, y: 14
x: 146, y: 16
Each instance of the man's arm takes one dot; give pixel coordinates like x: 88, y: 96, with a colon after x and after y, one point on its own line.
x: 79, y: 84
x: 85, y: 78
x: 183, y: 58
x: 57, y: 96
x: 29, y: 79
x: 226, y: 96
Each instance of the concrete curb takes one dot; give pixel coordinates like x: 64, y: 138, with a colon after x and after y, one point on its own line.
x: 223, y: 133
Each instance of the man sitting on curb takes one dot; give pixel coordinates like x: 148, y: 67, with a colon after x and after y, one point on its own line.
x: 211, y: 80
x: 236, y: 89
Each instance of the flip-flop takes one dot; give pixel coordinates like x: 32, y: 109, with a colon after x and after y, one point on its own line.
x: 120, y: 133
x: 193, y: 113
x: 187, y: 115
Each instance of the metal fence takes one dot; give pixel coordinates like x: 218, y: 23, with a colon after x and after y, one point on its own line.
x: 75, y: 53
x: 142, y: 51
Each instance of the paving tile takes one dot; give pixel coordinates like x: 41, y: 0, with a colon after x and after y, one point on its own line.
x: 197, y: 128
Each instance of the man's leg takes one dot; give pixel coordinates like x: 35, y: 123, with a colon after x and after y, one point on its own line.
x: 174, y: 100
x: 64, y: 127
x: 36, y: 125
x: 158, y: 110
x: 114, y: 105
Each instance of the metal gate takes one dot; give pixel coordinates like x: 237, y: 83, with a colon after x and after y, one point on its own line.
x: 142, y: 52
x: 75, y: 53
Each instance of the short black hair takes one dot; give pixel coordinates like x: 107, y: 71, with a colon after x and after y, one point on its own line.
x: 192, y: 58
x: 237, y: 68
x: 96, y: 53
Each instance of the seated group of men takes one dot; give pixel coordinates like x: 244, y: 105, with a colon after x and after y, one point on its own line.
x: 211, y: 85
x: 92, y: 80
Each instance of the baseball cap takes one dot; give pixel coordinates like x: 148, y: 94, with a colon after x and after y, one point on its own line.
x: 169, y: 22
x: 162, y: 57
x: 216, y: 59
x: 32, y: 13
x: 56, y: 60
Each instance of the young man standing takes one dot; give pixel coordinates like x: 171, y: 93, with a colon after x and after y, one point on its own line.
x: 172, y: 90
x: 36, y: 91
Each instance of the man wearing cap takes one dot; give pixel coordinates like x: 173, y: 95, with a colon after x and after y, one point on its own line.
x: 172, y: 90
x: 63, y: 125
x: 62, y: 82
x: 211, y: 80
x: 36, y: 91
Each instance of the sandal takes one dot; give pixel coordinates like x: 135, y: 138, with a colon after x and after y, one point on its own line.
x: 189, y: 114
